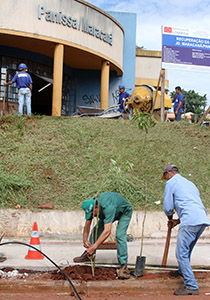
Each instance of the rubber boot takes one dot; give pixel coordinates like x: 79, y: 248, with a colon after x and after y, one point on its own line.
x: 123, y: 266
x: 123, y: 272
x: 82, y: 258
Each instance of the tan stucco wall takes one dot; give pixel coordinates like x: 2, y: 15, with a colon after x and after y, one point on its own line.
x: 26, y: 17
x: 148, y: 66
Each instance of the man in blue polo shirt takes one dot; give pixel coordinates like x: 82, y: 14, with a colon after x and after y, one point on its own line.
x: 24, y: 84
x: 183, y: 196
x: 178, y: 102
x: 122, y: 101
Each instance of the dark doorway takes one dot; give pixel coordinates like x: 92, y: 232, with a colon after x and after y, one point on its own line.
x: 41, y: 102
x: 42, y: 77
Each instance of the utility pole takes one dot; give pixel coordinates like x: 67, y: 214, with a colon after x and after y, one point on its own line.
x: 162, y: 96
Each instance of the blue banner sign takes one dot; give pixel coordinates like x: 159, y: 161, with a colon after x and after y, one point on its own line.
x: 182, y: 49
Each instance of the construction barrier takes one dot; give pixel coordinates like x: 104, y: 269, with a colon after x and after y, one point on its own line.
x: 35, y: 242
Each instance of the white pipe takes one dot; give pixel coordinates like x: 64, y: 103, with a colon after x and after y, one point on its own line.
x: 44, y: 87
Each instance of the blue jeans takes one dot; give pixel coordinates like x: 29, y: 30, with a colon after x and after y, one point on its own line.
x: 24, y: 94
x: 178, y: 116
x: 186, y: 240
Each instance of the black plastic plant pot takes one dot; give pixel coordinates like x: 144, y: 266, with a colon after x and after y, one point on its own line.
x: 140, y: 264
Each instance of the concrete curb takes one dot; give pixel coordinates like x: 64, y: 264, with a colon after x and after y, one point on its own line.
x: 19, y: 222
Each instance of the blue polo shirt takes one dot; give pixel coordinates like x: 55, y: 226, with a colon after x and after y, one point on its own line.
x: 122, y: 98
x: 177, y: 99
x: 183, y: 196
x: 22, y: 79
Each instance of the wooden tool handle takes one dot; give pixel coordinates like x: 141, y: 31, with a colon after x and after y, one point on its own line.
x: 165, y: 255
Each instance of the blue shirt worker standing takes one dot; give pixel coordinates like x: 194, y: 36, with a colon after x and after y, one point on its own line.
x: 183, y: 196
x: 111, y: 207
x: 178, y: 102
x: 24, y: 84
x: 123, y: 100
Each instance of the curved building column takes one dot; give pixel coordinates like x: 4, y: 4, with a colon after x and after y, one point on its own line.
x: 105, y: 68
x: 57, y: 80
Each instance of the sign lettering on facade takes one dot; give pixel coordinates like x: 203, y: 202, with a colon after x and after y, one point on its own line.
x: 82, y: 24
x: 185, y: 49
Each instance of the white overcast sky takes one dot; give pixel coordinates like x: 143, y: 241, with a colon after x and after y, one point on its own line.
x: 187, y: 14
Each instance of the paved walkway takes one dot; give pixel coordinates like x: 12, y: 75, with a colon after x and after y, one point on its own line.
x: 62, y: 252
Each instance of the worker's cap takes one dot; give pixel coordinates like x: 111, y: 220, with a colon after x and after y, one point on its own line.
x: 169, y: 168
x: 88, y: 206
x: 166, y: 88
x: 121, y: 86
x: 22, y: 66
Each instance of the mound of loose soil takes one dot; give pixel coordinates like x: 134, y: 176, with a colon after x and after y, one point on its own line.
x: 85, y: 273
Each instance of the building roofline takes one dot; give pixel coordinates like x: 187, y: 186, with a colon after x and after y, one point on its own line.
x: 148, y: 53
x: 102, y: 12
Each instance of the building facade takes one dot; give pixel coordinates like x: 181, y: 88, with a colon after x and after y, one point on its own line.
x: 76, y: 53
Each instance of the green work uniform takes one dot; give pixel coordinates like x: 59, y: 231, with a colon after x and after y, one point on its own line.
x: 113, y: 207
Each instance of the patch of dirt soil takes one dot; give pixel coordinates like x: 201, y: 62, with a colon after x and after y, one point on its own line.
x: 85, y: 273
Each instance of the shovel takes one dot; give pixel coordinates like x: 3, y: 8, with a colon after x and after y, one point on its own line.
x: 165, y: 255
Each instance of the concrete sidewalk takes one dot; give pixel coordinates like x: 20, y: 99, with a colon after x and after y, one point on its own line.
x: 62, y: 251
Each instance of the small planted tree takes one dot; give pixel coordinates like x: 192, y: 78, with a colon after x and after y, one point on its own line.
x: 115, y: 176
x: 94, y: 238
x: 145, y: 122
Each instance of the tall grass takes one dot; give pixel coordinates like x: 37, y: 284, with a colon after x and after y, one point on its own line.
x: 64, y: 160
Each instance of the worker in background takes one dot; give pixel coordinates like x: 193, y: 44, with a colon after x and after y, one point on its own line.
x: 178, y: 102
x: 166, y: 91
x: 111, y: 207
x: 122, y: 101
x: 166, y: 110
x: 183, y: 196
x: 24, y: 84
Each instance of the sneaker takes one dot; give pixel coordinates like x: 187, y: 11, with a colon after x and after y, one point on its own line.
x: 82, y: 258
x: 2, y: 257
x: 186, y: 291
x: 123, y: 273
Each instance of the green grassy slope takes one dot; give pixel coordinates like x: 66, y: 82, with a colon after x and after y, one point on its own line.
x: 68, y: 160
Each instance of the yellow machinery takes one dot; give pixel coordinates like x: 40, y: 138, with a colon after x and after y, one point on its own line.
x: 146, y: 99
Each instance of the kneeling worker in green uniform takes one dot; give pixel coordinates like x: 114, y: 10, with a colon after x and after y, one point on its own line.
x: 111, y: 207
